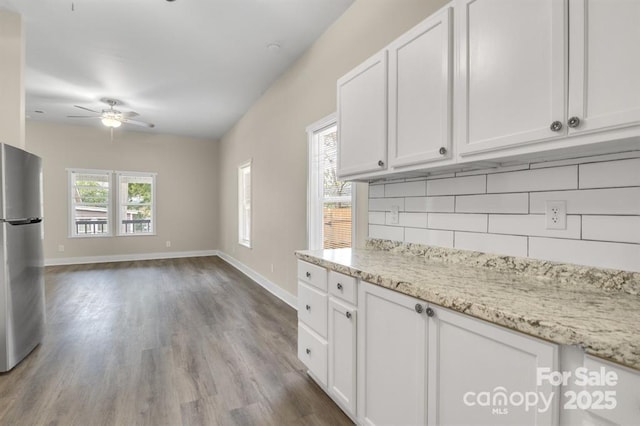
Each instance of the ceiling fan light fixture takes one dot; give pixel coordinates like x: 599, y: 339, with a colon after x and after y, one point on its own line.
x: 111, y: 122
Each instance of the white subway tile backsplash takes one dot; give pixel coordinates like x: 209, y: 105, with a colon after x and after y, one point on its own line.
x: 623, y: 229
x: 457, y: 222
x: 457, y: 185
x: 492, y: 243
x: 431, y: 237
x: 377, y: 218
x: 617, y: 201
x: 493, y: 203
x: 502, y: 210
x: 592, y: 253
x: 385, y: 204
x: 556, y: 178
x: 610, y: 174
x: 532, y: 225
x: 406, y: 189
x: 429, y: 204
x: 414, y: 220
x: 441, y: 175
x: 394, y: 233
x: 376, y: 191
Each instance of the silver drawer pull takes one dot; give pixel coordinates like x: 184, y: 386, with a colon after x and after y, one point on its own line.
x: 308, y: 351
x: 308, y: 274
x: 348, y: 314
x: 308, y: 307
x: 339, y: 286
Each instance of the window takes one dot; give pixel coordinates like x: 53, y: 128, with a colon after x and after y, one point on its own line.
x: 244, y: 204
x: 330, y: 212
x: 136, y: 203
x: 90, y: 201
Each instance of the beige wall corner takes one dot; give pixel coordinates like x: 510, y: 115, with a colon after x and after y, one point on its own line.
x: 12, y: 128
x: 272, y: 133
x: 186, y: 187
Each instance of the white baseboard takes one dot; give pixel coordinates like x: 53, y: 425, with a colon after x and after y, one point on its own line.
x: 271, y: 287
x: 127, y: 257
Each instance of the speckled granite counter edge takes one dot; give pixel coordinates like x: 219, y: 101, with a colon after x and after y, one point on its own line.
x: 606, y: 279
x: 518, y: 321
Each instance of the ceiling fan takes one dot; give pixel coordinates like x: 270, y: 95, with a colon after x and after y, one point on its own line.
x: 111, y: 117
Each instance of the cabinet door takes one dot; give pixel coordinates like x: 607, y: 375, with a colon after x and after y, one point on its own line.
x: 474, y: 366
x: 342, y: 354
x: 511, y: 73
x: 362, y: 118
x: 604, y: 76
x: 391, y: 358
x: 420, y: 91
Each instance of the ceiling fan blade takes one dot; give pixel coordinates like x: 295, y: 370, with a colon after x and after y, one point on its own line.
x: 129, y: 114
x: 86, y: 109
x: 139, y: 123
x: 84, y: 116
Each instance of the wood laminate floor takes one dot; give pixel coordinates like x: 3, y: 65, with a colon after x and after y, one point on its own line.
x: 164, y: 342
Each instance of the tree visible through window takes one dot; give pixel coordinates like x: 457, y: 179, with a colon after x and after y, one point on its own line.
x: 330, y: 199
x: 90, y: 203
x: 135, y: 207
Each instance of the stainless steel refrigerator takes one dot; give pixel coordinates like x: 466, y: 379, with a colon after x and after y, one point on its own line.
x: 22, y: 311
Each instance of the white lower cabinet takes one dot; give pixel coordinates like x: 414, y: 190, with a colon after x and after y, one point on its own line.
x: 342, y: 354
x: 483, y: 374
x: 391, y: 358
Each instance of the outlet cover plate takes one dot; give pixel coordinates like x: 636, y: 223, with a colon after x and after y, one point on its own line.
x: 394, y: 217
x: 556, y: 214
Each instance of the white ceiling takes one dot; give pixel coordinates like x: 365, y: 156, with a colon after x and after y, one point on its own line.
x: 191, y: 67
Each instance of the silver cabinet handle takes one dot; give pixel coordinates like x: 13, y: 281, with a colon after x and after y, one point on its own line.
x: 308, y: 351
x: 339, y: 286
x: 380, y: 163
x: 348, y: 314
x: 556, y: 126
x: 573, y: 122
x: 419, y: 308
x: 308, y: 274
x: 442, y: 150
x: 308, y: 307
x: 430, y: 312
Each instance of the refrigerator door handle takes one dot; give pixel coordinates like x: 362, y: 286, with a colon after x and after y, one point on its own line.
x: 26, y: 221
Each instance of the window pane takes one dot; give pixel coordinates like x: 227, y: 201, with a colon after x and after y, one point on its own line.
x: 89, y: 203
x: 136, y: 206
x: 244, y: 204
x: 336, y: 194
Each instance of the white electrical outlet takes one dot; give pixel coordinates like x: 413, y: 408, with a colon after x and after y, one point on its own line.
x: 168, y: 243
x: 394, y: 217
x: 60, y: 248
x: 556, y: 214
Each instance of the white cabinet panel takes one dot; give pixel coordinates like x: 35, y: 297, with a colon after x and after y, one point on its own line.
x: 468, y: 357
x: 312, y: 351
x: 312, y: 308
x: 604, y: 76
x: 362, y: 118
x: 391, y: 358
x: 342, y: 354
x: 511, y: 72
x: 312, y: 274
x: 420, y: 92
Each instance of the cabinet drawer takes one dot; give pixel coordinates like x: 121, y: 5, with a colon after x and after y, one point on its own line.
x: 312, y: 274
x: 312, y: 308
x: 312, y: 351
x: 343, y: 286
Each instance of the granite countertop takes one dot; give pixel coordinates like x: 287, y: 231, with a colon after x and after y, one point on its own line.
x: 572, y: 310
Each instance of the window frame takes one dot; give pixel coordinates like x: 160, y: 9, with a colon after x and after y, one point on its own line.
x: 117, y: 175
x: 71, y: 217
x: 314, y: 188
x: 245, y: 240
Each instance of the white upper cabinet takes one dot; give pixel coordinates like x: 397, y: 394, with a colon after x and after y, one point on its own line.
x: 362, y: 118
x: 604, y: 76
x: 420, y: 92
x: 510, y: 81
